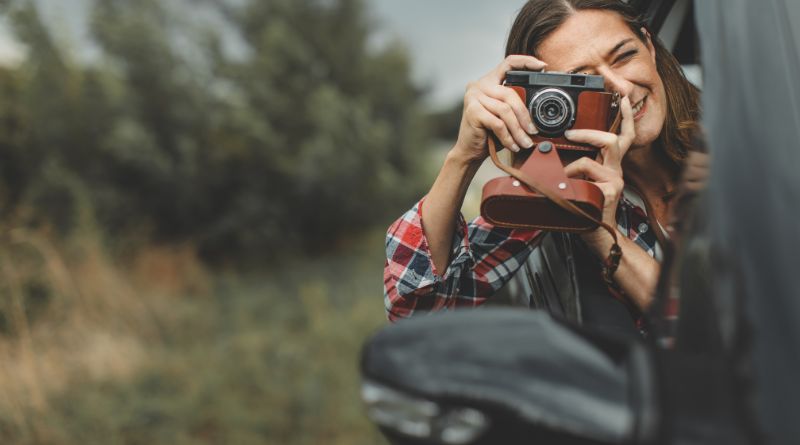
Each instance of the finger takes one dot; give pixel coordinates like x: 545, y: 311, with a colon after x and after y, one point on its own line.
x: 505, y: 112
x: 607, y: 142
x: 698, y: 159
x: 627, y: 132
x: 511, y: 97
x: 470, y: 90
x: 597, y: 138
x: 697, y: 167
x: 593, y: 170
x: 695, y: 176
x: 485, y: 119
x: 516, y: 62
x: 695, y: 171
x: 611, y: 191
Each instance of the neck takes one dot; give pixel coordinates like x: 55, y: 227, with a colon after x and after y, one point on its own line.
x: 646, y: 172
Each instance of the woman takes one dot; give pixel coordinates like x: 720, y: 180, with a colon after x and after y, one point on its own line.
x: 435, y: 260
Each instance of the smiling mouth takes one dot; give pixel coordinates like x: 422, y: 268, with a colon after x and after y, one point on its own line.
x: 639, y: 108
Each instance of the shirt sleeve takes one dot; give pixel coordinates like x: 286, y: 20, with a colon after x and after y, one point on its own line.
x: 483, y: 259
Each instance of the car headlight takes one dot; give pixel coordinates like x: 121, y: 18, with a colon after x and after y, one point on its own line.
x: 421, y: 418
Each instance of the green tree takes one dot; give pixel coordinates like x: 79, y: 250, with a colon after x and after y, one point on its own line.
x: 309, y: 136
x: 337, y: 126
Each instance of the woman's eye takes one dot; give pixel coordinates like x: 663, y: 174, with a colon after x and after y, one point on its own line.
x: 627, y: 55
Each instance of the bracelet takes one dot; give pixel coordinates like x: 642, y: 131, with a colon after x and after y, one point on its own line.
x: 611, y: 264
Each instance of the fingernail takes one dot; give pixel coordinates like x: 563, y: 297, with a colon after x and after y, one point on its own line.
x: 568, y: 133
x: 527, y: 142
x: 532, y: 129
x: 514, y: 148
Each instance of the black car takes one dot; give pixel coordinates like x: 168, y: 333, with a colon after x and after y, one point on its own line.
x: 732, y: 374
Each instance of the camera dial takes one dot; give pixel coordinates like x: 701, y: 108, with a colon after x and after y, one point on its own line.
x: 552, y: 110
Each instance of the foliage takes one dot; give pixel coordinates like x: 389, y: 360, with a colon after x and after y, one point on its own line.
x: 306, y: 136
x: 168, y: 142
x: 115, y: 360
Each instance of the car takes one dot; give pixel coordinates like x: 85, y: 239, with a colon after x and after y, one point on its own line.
x: 504, y: 376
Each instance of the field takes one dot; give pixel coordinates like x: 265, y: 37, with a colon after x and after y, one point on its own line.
x: 156, y: 349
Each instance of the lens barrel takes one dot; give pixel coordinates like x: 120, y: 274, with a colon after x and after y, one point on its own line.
x: 552, y: 110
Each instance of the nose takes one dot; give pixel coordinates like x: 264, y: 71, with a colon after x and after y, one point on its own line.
x: 615, y: 82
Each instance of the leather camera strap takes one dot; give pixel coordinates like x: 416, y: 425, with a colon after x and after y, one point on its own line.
x: 611, y: 263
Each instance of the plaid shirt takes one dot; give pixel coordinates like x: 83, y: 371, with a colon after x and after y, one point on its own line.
x: 483, y: 259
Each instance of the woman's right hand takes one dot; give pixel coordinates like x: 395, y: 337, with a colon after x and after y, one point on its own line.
x: 489, y: 106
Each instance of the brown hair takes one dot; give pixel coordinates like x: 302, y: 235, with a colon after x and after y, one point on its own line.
x: 538, y: 18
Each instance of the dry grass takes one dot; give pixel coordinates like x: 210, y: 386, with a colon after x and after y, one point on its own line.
x: 170, y: 270
x: 160, y: 350
x: 68, y: 317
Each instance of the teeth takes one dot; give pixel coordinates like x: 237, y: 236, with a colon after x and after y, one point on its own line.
x: 638, y: 107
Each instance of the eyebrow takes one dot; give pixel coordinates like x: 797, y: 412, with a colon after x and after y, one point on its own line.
x: 608, y: 55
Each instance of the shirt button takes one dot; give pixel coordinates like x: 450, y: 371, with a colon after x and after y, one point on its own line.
x: 643, y: 227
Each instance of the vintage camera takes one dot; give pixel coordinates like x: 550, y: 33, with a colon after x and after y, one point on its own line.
x: 538, y: 194
x: 556, y: 100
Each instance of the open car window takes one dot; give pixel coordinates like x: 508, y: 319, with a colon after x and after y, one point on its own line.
x: 673, y: 22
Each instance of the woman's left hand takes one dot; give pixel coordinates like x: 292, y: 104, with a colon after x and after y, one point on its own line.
x: 606, y: 172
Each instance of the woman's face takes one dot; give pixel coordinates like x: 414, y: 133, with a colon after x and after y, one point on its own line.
x: 600, y: 42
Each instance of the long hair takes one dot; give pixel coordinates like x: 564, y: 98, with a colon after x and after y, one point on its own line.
x: 538, y: 18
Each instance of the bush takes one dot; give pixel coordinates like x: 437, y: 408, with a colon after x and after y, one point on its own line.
x: 306, y: 136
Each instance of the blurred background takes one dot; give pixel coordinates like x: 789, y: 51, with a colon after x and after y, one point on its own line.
x: 193, y: 200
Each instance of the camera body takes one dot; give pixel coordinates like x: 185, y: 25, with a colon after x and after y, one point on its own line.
x: 553, y: 99
x: 557, y: 102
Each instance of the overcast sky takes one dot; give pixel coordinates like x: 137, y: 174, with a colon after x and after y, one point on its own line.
x: 451, y: 41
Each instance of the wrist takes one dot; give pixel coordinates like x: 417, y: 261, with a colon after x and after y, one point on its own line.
x: 453, y: 179
x: 600, y: 241
x: 464, y: 157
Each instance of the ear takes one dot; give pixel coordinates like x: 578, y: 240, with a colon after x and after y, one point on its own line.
x: 648, y: 42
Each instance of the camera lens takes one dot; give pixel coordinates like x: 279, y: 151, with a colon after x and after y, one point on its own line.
x: 552, y: 111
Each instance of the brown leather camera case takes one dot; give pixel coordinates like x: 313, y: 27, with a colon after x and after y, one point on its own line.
x: 539, y: 195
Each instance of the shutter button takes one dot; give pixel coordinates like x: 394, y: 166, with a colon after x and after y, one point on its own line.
x: 643, y: 227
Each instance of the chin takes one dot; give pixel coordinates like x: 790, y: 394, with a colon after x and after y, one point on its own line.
x: 643, y: 141
x: 646, y: 134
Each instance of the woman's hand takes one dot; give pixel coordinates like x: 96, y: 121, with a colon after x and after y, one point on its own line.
x: 606, y: 172
x: 489, y: 106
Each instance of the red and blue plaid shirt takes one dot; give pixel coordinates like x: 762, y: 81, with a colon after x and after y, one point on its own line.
x: 483, y: 259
